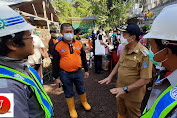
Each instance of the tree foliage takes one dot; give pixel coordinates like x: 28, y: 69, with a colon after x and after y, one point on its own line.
x: 76, y: 8
x: 107, y: 12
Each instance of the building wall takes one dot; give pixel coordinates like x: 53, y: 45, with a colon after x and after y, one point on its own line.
x: 149, y: 4
x: 136, y: 9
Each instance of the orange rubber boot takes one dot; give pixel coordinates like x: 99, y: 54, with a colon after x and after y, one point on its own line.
x: 119, y: 116
x: 84, y: 102
x: 71, y: 107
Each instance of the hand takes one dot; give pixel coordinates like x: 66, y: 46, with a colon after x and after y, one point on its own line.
x: 58, y: 82
x: 86, y: 74
x: 110, y: 47
x: 118, y: 91
x: 46, y: 62
x: 106, y: 80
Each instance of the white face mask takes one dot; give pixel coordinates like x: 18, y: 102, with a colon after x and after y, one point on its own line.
x: 68, y: 36
x: 124, y: 41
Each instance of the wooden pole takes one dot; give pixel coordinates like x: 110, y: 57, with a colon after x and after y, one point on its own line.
x: 44, y: 9
x: 45, y: 14
x: 34, y: 9
x: 51, y: 17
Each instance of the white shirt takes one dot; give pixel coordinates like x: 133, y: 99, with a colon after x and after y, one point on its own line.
x: 36, y: 58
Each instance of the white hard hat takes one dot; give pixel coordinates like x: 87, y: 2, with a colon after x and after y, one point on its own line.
x: 12, y: 22
x: 165, y: 24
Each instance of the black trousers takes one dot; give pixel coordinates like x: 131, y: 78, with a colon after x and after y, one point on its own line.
x: 98, y: 63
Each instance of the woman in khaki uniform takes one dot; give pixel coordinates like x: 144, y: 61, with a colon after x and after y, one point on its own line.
x: 134, y: 72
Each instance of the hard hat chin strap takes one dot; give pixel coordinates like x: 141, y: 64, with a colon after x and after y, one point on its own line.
x: 165, y: 42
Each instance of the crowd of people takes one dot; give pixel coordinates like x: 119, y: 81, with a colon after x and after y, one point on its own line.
x: 113, y: 47
x: 145, y: 16
x: 142, y: 61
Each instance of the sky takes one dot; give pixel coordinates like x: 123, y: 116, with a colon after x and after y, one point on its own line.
x: 69, y: 0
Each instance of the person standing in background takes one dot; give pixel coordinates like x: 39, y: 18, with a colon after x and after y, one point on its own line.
x: 115, y: 40
x: 90, y: 43
x: 98, y: 58
x: 143, y: 41
x: 52, y: 41
x: 77, y: 34
x: 110, y: 36
x: 40, y: 51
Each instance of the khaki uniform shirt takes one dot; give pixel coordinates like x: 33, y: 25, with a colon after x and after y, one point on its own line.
x: 159, y: 88
x: 132, y: 67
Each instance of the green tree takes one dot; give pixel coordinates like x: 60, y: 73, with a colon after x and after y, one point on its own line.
x: 76, y: 8
x: 111, y: 13
x: 107, y: 12
x: 100, y: 11
x: 82, y: 8
x: 64, y: 10
x: 119, y: 11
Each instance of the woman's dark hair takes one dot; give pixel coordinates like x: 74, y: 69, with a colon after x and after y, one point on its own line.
x: 161, y: 46
x: 16, y: 39
x: 114, y: 30
x: 110, y: 30
x: 144, y: 29
x: 93, y: 35
x: 98, y: 32
x: 76, y: 31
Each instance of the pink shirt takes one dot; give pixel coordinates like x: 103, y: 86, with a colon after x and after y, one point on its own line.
x: 120, y: 49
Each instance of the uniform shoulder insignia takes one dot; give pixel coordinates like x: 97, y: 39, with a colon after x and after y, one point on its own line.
x: 145, y: 65
x: 144, y: 51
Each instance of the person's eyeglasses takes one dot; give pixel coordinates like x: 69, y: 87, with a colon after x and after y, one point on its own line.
x: 28, y: 38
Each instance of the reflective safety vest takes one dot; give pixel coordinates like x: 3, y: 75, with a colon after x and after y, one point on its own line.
x: 35, y: 85
x: 163, y: 104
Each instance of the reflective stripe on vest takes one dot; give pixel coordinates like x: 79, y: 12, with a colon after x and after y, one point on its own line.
x: 163, y: 104
x: 35, y: 85
x: 158, y: 79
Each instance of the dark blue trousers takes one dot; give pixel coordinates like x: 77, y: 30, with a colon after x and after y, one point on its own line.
x: 70, y: 79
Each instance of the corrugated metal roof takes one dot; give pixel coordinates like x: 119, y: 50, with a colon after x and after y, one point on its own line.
x: 13, y: 2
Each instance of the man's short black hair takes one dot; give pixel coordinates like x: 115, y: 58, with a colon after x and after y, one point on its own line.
x: 65, y: 25
x: 53, y: 30
x: 77, y: 31
x: 18, y: 40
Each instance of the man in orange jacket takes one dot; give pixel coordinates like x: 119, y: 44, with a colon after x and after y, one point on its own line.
x: 68, y: 58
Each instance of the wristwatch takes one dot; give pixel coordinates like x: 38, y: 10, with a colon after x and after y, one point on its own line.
x: 125, y: 88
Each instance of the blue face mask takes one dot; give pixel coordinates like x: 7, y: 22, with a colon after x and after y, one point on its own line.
x: 151, y: 57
